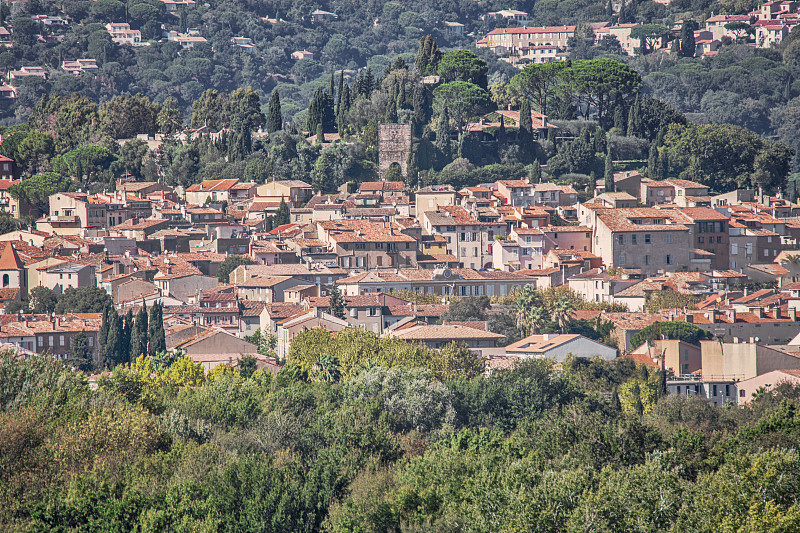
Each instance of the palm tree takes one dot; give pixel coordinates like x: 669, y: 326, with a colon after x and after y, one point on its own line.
x: 537, y: 318
x: 525, y: 301
x: 562, y: 313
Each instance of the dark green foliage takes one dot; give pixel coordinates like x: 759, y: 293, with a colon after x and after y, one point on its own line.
x: 155, y: 331
x: 688, y: 45
x: 608, y: 174
x: 230, y: 264
x: 671, y: 330
x: 83, y: 300
x: 274, y: 117
x: 282, y: 216
x: 473, y: 308
x: 139, y: 333
x: 336, y: 302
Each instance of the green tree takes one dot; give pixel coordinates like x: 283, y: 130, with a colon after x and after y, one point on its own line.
x: 114, y: 350
x: 139, y: 333
x: 210, y: 110
x: 443, y: 135
x: 463, y: 65
x: 170, y: 118
x: 230, y: 264
x: 155, y: 331
x: 336, y: 302
x: 247, y: 366
x: 608, y: 175
x: 80, y: 355
x: 283, y: 215
x: 463, y: 101
x: 126, y: 116
x: 274, y: 118
x: 538, y: 82
x: 83, y: 300
x: 42, y: 300
x: 649, y: 36
x: 688, y: 46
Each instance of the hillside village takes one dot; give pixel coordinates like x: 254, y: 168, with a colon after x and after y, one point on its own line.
x: 396, y: 260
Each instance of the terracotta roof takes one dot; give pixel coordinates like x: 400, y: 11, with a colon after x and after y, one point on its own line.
x: 445, y: 333
x: 9, y: 260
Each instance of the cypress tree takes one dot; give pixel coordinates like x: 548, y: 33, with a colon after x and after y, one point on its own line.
x: 633, y: 119
x: 127, y: 331
x: 102, y: 335
x: 609, y: 173
x: 340, y: 92
x: 675, y: 47
x: 501, y: 132
x: 320, y: 134
x: 369, y: 82
x: 274, y: 117
x: 653, y: 167
x: 688, y: 45
x: 619, y: 118
x: 282, y: 216
x: 421, y: 62
x: 155, y: 332
x: 443, y: 135
x: 336, y: 302
x: 615, y: 403
x: 315, y: 111
x: 663, y: 163
x: 600, y: 141
x: 412, y: 169
x: 359, y: 86
x: 536, y: 172
x: 114, y: 350
x: 525, y: 121
x: 332, y: 89
x: 328, y: 113
x: 139, y: 334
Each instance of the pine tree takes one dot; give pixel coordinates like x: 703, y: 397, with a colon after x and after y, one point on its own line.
x: 282, y: 216
x: 157, y: 340
x: 336, y: 302
x: 443, y: 136
x: 274, y: 117
x: 609, y: 174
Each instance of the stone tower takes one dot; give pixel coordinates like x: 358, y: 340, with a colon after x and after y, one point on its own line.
x: 394, y: 145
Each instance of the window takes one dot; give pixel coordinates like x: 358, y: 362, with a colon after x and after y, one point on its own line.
x: 668, y: 259
x: 714, y: 389
x: 6, y: 280
x: 686, y: 354
x: 463, y: 237
x: 669, y: 238
x: 734, y: 248
x: 719, y: 240
x: 633, y: 239
x: 463, y: 252
x: 646, y: 259
x: 622, y: 259
x: 700, y: 240
x: 742, y: 394
x: 41, y: 341
x: 748, y: 248
x: 528, y: 239
x: 61, y: 340
x: 621, y: 239
x: 50, y: 341
x: 372, y: 311
x: 766, y: 252
x: 647, y: 238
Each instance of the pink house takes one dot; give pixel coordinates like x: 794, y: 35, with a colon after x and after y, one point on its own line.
x: 767, y: 382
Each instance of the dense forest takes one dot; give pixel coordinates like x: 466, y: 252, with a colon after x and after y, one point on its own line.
x: 386, y: 448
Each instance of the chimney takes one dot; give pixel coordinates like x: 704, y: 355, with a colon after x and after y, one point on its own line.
x: 793, y: 314
x: 759, y: 312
